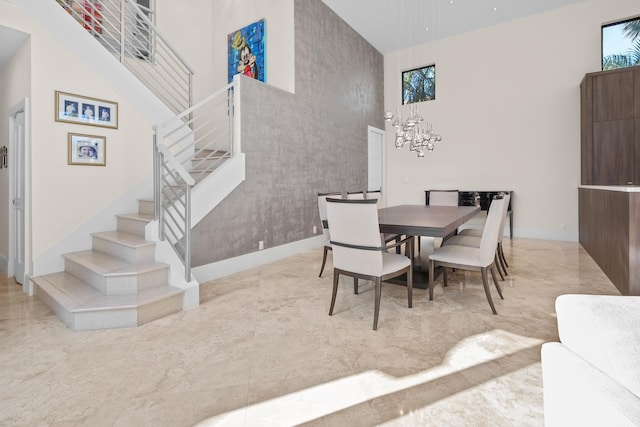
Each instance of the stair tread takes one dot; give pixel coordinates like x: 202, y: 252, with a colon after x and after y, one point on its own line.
x: 75, y: 295
x: 207, y: 153
x: 137, y: 216
x: 108, y: 265
x: 124, y: 238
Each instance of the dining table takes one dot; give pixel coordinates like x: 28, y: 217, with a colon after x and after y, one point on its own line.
x: 423, y: 220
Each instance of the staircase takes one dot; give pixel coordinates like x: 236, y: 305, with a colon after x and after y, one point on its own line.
x: 115, y: 284
x: 142, y: 270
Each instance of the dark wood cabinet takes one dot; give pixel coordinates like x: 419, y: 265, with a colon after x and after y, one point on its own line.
x: 610, y: 233
x: 610, y: 127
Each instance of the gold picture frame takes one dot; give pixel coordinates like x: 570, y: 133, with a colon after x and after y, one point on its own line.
x: 84, y: 110
x: 87, y: 150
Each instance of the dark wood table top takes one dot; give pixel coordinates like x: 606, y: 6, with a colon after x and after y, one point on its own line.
x: 422, y: 220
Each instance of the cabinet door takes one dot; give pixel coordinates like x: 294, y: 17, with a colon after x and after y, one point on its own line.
x: 586, y: 131
x: 636, y: 91
x: 613, y: 96
x: 636, y: 145
x: 613, y: 154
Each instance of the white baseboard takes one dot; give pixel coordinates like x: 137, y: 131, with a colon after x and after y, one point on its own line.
x: 563, y: 235
x: 229, y: 266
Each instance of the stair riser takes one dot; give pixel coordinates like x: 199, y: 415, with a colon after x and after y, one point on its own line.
x: 137, y: 255
x: 146, y: 207
x: 158, y: 309
x: 48, y: 300
x: 133, y: 226
x: 95, y: 280
x: 121, y: 284
x: 205, y: 164
x: 105, y: 319
x: 151, y: 279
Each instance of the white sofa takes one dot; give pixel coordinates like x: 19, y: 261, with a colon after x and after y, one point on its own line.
x: 592, y: 376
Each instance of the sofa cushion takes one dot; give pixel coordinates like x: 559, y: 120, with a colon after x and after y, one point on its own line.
x: 578, y: 394
x: 605, y: 331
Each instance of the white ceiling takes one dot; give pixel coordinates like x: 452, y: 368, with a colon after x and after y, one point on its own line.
x: 390, y: 25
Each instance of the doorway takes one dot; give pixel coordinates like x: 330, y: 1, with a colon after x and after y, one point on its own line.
x: 376, y: 162
x: 18, y: 163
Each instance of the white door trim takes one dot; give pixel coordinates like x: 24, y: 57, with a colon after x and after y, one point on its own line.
x: 383, y: 154
x: 22, y: 106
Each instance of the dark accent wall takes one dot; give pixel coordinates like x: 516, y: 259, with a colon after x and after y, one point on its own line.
x: 297, y: 145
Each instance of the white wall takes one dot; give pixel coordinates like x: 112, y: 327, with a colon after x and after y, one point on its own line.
x: 63, y: 196
x: 187, y: 27
x: 198, y: 29
x: 231, y: 15
x: 507, y: 107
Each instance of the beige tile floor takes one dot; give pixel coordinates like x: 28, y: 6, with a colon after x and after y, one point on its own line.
x: 262, y: 351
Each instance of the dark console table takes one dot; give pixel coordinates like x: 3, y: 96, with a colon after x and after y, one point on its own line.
x: 483, y: 200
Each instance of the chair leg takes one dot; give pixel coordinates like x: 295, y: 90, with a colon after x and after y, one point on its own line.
x: 495, y: 282
x: 503, y: 260
x: 445, y: 282
x: 324, y: 260
x: 497, y: 264
x: 487, y: 291
x: 355, y: 285
x: 410, y: 274
x: 376, y: 308
x: 335, y: 291
x: 410, y: 286
x: 431, y: 284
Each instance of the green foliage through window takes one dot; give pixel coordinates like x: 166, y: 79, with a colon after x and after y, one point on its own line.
x: 621, y: 44
x: 419, y: 84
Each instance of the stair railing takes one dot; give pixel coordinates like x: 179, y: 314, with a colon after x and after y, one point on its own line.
x: 187, y: 149
x: 126, y: 29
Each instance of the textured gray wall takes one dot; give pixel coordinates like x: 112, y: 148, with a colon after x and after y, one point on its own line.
x: 297, y: 145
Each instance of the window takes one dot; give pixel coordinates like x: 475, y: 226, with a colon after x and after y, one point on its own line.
x: 621, y: 44
x: 419, y: 84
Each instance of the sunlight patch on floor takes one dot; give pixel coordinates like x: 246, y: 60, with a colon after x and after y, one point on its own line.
x: 315, y: 402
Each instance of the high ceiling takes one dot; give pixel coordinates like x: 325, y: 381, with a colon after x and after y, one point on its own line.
x: 390, y: 25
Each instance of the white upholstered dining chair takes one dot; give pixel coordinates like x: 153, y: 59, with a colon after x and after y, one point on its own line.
x: 472, y: 237
x: 358, y: 252
x: 322, y: 210
x: 386, y: 237
x: 375, y: 195
x: 429, y: 244
x: 473, y: 258
x: 355, y: 195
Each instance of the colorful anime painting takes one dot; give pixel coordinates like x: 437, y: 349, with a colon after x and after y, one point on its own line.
x: 246, y: 49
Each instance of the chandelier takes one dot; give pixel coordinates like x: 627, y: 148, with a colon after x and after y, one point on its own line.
x: 412, y: 132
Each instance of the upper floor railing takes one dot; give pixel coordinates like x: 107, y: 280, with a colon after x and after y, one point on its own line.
x: 126, y: 29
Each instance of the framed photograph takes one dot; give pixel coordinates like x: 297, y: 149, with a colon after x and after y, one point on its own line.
x: 83, y: 110
x: 89, y: 150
